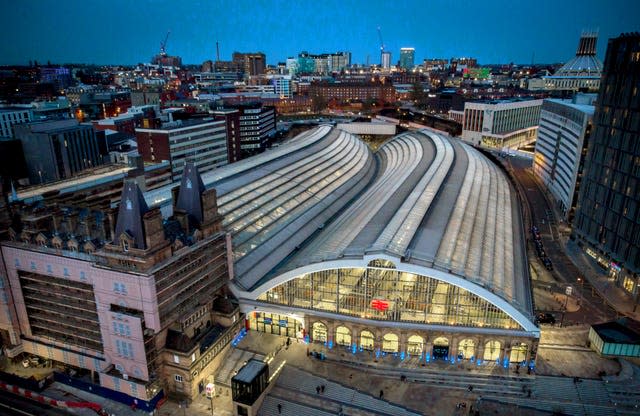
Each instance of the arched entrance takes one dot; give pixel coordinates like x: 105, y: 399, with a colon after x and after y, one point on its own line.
x: 492, y: 350
x: 466, y: 349
x: 366, y: 340
x: 415, y: 343
x: 319, y: 332
x: 390, y: 343
x: 440, y: 348
x: 518, y: 353
x: 343, y: 336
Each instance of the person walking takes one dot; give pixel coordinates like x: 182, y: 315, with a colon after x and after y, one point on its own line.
x: 322, y: 388
x: 318, y: 389
x: 381, y: 394
x: 279, y: 408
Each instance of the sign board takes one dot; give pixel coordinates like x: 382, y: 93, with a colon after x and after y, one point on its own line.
x: 210, y: 390
x: 568, y: 290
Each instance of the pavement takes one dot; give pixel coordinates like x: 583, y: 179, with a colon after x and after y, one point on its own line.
x: 616, y: 297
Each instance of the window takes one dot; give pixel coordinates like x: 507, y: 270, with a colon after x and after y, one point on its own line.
x: 125, y: 245
x: 177, y: 378
x: 176, y: 359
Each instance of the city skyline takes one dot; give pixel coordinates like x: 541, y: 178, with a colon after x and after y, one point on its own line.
x: 131, y: 33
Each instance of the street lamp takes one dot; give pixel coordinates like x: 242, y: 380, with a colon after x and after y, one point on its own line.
x: 581, y: 281
x: 567, y: 292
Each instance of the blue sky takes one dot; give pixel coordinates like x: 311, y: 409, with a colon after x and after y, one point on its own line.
x: 130, y: 31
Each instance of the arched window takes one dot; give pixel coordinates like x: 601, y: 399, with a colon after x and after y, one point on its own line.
x: 441, y: 342
x: 319, y: 332
x: 366, y: 340
x: 466, y: 348
x: 125, y: 245
x: 390, y: 343
x: 415, y: 344
x: 518, y: 353
x: 343, y: 336
x: 492, y: 350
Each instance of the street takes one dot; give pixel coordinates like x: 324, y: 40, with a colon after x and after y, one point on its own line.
x: 593, y: 308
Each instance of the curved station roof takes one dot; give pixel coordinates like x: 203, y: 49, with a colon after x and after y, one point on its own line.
x: 429, y: 204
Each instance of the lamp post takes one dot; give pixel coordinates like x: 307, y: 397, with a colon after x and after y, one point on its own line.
x: 581, y: 281
x: 567, y: 292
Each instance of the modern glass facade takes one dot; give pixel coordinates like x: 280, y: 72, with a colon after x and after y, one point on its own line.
x: 386, y: 294
x: 608, y: 209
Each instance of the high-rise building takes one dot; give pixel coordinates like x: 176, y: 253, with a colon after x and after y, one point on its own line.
x: 563, y: 135
x: 257, y: 127
x: 606, y: 222
x: 252, y: 63
x: 407, y: 58
x: 385, y: 60
x: 58, y: 149
x: 205, y: 141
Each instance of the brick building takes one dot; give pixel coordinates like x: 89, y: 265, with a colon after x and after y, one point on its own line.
x: 133, y: 302
x: 358, y: 91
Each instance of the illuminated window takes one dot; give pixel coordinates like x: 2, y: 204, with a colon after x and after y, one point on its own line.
x: 366, y: 340
x: 343, y: 336
x: 390, y: 343
x: 319, y: 332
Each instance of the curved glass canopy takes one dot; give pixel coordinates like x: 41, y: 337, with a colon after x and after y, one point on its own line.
x: 382, y: 293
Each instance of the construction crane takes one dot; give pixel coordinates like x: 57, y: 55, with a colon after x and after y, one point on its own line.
x: 381, y: 42
x: 163, y: 45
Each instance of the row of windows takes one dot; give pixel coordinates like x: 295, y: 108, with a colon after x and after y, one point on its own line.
x: 388, y: 295
x: 124, y: 349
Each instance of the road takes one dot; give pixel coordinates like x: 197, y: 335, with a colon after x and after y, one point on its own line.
x: 12, y: 405
x: 593, y: 308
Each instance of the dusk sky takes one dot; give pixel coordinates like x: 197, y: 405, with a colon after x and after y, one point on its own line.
x: 130, y: 31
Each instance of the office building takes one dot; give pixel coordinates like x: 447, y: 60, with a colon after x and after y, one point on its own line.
x: 407, y: 58
x: 11, y: 115
x: 563, y: 135
x: 257, y: 126
x: 231, y: 118
x: 282, y: 86
x: 354, y: 91
x: 250, y: 63
x: 501, y: 123
x: 205, y: 141
x: 606, y: 222
x: 385, y: 60
x: 134, y: 302
x: 58, y: 149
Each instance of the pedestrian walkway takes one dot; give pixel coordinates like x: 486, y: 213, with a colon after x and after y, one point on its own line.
x: 312, y: 394
x: 615, y: 296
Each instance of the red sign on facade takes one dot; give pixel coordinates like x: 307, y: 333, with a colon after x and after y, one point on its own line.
x: 380, y: 305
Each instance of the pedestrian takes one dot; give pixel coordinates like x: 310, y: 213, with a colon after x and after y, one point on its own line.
x: 470, y: 387
x: 322, y: 388
x: 381, y: 394
x: 279, y: 408
x: 318, y: 389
